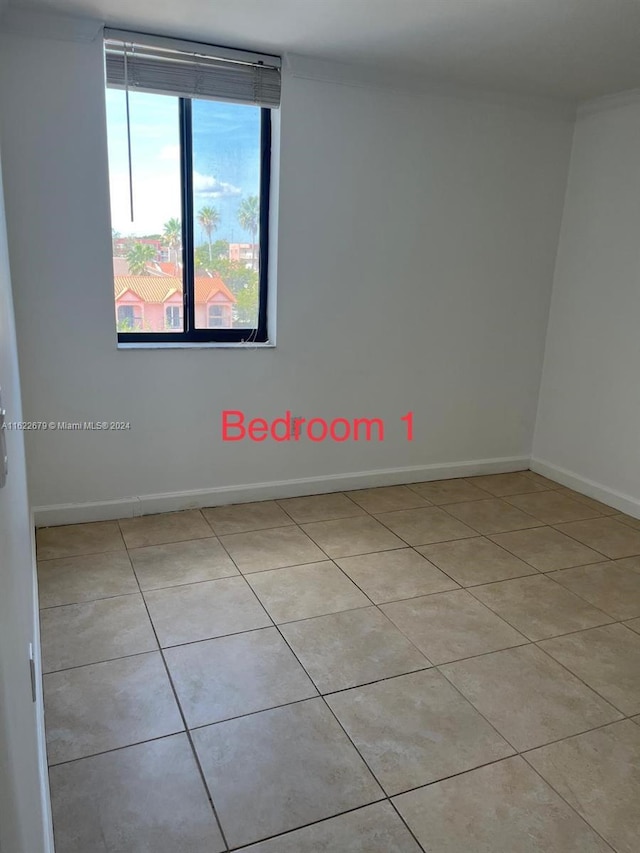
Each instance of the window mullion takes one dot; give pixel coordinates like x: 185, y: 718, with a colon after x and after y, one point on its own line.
x: 186, y: 169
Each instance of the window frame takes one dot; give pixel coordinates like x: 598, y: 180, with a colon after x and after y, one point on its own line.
x: 191, y: 334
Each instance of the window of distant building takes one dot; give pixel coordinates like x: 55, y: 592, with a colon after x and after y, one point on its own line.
x: 189, y: 133
x: 216, y: 316
x: 128, y: 318
x: 173, y: 317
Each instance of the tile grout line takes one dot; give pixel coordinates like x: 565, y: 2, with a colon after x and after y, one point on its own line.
x: 540, y: 639
x: 327, y: 706
x: 388, y: 797
x: 564, y: 800
x: 437, y: 668
x: 181, y: 712
x: 346, y: 734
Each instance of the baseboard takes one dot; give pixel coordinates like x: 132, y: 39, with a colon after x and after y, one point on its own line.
x: 618, y: 500
x: 56, y: 514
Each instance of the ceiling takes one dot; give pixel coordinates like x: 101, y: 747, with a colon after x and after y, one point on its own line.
x: 566, y: 49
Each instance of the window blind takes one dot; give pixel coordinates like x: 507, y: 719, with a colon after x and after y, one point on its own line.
x: 190, y: 70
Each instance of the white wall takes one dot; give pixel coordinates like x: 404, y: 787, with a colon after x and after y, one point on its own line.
x: 417, y: 240
x: 588, y: 423
x: 23, y: 801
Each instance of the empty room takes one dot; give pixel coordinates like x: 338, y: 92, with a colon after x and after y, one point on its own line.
x: 320, y: 426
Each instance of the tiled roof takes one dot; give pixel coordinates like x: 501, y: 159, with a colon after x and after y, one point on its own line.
x: 151, y: 288
x: 207, y: 287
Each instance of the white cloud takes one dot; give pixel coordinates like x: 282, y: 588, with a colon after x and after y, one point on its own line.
x: 156, y: 198
x: 210, y: 187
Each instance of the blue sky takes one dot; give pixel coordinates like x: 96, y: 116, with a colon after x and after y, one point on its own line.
x: 226, y: 161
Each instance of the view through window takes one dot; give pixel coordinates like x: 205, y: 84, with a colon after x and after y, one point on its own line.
x: 153, y: 281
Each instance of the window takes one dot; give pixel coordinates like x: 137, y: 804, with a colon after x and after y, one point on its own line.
x: 216, y: 316
x: 127, y: 318
x: 189, y: 133
x: 173, y: 317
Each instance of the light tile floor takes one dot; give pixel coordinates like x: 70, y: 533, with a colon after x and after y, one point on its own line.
x: 348, y: 673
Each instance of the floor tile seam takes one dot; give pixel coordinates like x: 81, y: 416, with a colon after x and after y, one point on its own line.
x: 470, y: 590
x: 194, y: 752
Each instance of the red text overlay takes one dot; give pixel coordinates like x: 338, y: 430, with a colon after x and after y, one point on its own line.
x: 236, y: 427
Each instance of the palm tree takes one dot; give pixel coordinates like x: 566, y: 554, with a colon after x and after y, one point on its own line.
x: 172, y: 234
x: 209, y: 219
x: 138, y: 256
x: 249, y: 217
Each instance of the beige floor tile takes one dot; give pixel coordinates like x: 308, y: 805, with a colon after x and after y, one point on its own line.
x: 598, y: 773
x: 603, y: 509
x: 528, y: 697
x: 70, y: 580
x: 627, y: 519
x: 164, y: 527
x: 104, y: 706
x: 606, y: 535
x: 350, y: 648
x: 178, y: 563
x: 387, y: 498
x: 451, y: 625
x: 542, y: 481
x: 539, y: 607
x: 202, y: 611
x: 76, y: 540
x: 441, y: 492
x: 230, y: 676
x: 392, y: 575
x: 552, y: 507
x: 607, y: 659
x: 517, y: 483
x: 609, y: 586
x: 475, y: 561
x: 147, y: 798
x: 502, y: 808
x: 241, y: 518
x: 320, y: 508
x: 281, y: 769
x: 632, y: 563
x: 262, y: 550
x: 634, y: 624
x: 347, y: 537
x: 300, y: 592
x: 546, y: 549
x: 424, y: 526
x: 492, y: 516
x: 373, y: 829
x: 415, y: 729
x: 78, y: 634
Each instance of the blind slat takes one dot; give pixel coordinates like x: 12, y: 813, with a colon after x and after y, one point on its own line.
x: 188, y: 75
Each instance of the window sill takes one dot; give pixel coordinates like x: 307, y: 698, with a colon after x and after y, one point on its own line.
x: 207, y: 345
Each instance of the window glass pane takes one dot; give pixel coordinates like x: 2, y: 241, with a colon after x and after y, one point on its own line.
x: 147, y: 252
x: 226, y: 190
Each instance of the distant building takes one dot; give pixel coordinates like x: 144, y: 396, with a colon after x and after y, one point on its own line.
x: 153, y: 303
x: 244, y: 252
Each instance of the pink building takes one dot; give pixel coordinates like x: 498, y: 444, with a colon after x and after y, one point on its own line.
x: 149, y: 303
x: 246, y: 253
